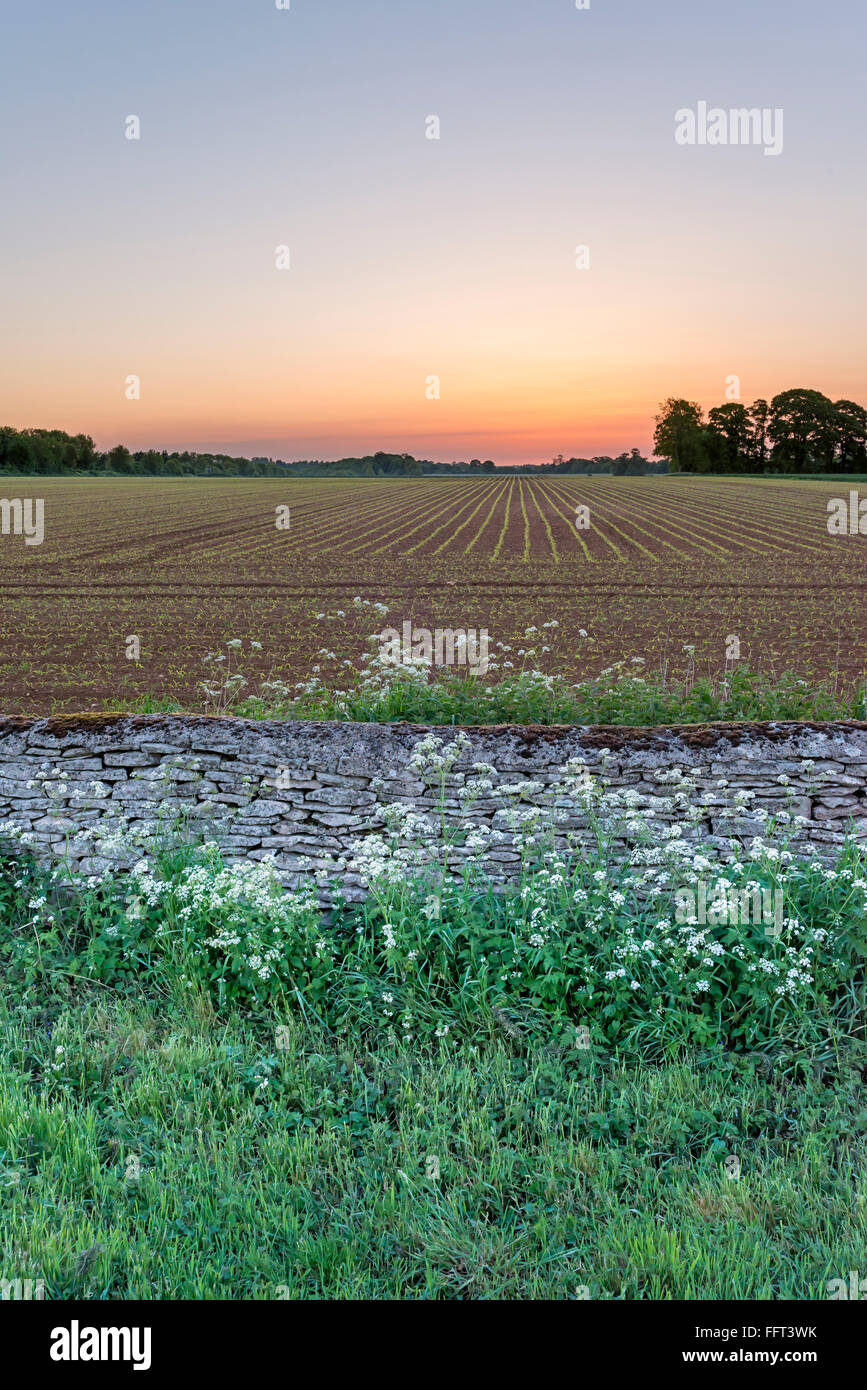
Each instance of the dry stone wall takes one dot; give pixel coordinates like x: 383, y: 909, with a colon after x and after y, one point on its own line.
x: 304, y: 792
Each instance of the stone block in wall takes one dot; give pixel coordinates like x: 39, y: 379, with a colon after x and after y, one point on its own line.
x: 55, y: 823
x: 96, y: 865
x: 328, y: 797
x: 826, y: 837
x: 333, y: 779
x: 20, y: 790
x: 128, y: 790
x: 399, y: 788
x: 308, y: 843
x: 283, y: 785
x: 12, y: 745
x: 245, y: 767
x: 334, y: 820
x: 264, y: 809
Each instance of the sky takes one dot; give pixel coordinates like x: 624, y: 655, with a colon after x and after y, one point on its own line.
x: 433, y: 303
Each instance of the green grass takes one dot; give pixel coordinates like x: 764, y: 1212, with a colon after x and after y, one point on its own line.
x: 454, y: 698
x: 558, y: 1173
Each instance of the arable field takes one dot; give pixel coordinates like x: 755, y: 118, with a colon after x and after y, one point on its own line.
x: 184, y: 564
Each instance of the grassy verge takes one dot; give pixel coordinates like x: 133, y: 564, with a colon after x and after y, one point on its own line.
x: 452, y: 697
x: 155, y: 1166
x: 571, y: 1088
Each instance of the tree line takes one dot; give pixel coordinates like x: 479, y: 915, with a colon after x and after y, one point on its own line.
x: 53, y: 451
x: 798, y: 431
x: 631, y: 464
x: 382, y: 465
x: 39, y: 451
